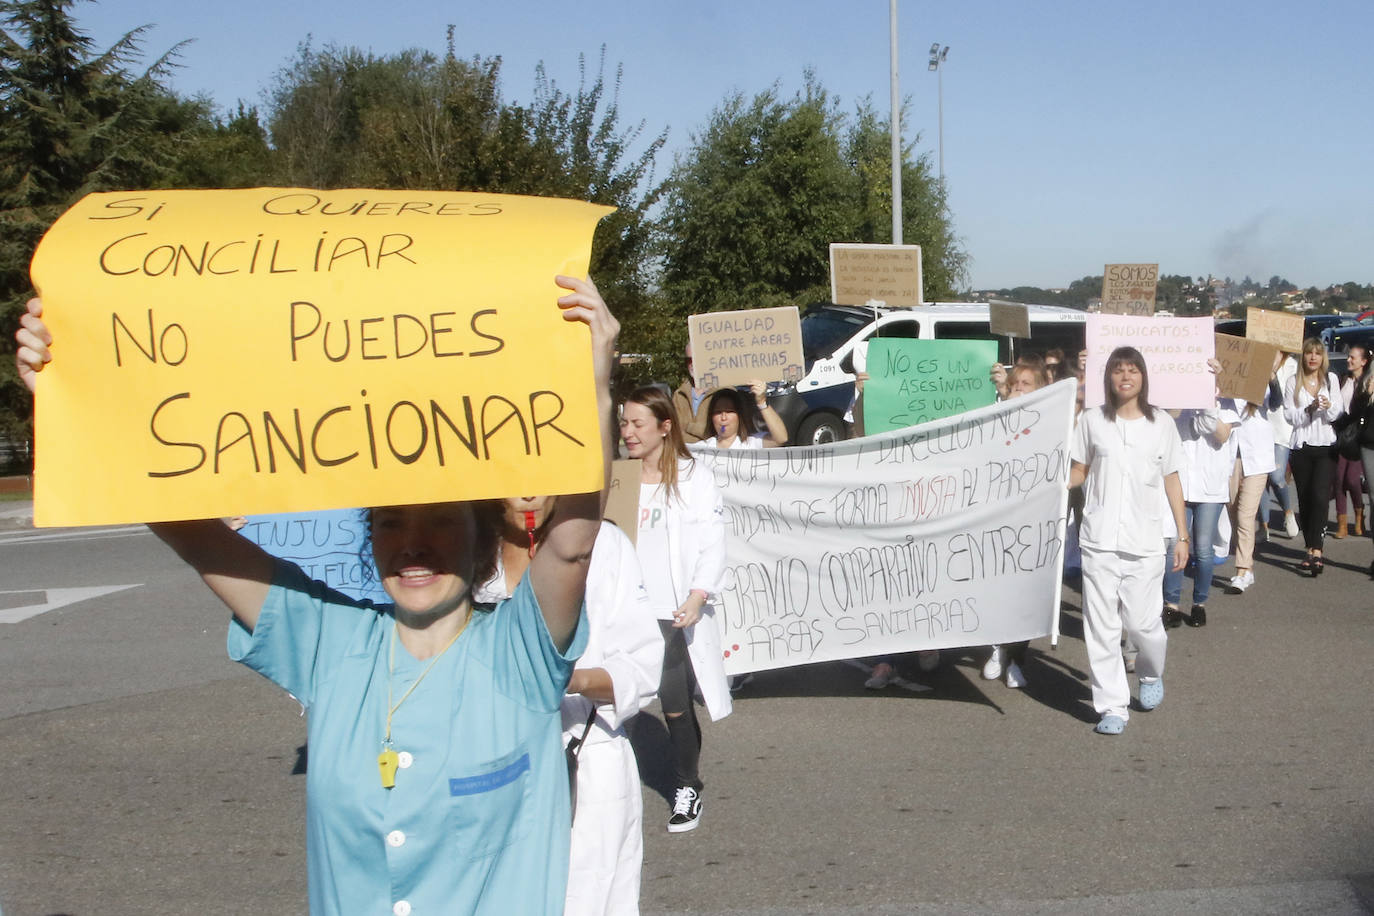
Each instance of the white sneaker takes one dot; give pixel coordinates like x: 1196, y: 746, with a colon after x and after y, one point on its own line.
x: 1290, y: 525
x: 1015, y: 678
x: 1243, y: 581
x: 992, y: 670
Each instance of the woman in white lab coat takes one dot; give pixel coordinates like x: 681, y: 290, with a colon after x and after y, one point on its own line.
x: 615, y: 678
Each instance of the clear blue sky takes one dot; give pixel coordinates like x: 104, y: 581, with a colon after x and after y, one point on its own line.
x: 1225, y: 137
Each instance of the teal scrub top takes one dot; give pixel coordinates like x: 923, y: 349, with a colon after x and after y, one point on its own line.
x: 478, y: 820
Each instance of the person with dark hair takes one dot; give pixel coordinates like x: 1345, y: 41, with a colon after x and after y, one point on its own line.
x: 681, y: 548
x: 437, y: 782
x: 616, y: 677
x: 732, y: 424
x: 1126, y: 457
x: 1311, y: 403
x: 1348, y: 470
x: 1362, y: 412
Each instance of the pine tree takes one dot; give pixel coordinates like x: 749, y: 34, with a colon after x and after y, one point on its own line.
x: 72, y: 121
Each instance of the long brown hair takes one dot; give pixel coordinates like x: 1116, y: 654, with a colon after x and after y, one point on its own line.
x: 1126, y: 356
x: 674, y: 446
x: 1310, y: 344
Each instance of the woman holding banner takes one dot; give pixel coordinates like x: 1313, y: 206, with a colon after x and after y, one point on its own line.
x: 615, y: 678
x: 437, y: 780
x: 681, y: 547
x: 1126, y: 457
x: 1311, y: 403
x: 1029, y: 374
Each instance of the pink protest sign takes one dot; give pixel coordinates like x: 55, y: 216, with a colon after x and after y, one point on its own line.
x: 1176, y: 351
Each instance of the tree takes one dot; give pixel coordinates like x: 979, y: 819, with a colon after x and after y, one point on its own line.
x: 342, y: 118
x: 72, y: 121
x: 768, y: 184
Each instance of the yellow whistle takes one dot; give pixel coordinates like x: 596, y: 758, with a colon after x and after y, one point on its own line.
x: 387, y: 762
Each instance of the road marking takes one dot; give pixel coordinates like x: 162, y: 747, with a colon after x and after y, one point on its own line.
x: 74, y: 534
x: 53, y: 598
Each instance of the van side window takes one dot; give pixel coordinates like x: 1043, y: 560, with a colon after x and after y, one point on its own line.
x: 972, y: 330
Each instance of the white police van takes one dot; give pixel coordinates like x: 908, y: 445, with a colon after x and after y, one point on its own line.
x: 813, y: 409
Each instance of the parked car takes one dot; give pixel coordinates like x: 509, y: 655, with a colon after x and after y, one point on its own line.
x: 1312, y: 326
x: 813, y: 409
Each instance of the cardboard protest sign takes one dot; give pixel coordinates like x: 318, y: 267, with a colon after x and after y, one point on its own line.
x: 1129, y: 289
x: 1009, y: 319
x: 946, y: 535
x: 733, y: 348
x: 886, y: 273
x: 1282, y: 329
x: 1246, y: 366
x: 622, y: 501
x: 1176, y: 351
x: 275, y: 349
x: 916, y: 381
x: 327, y: 546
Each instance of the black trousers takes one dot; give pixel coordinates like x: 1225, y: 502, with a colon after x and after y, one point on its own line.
x: 1312, y: 469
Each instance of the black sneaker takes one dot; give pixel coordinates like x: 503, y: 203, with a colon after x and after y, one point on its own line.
x: 686, y: 810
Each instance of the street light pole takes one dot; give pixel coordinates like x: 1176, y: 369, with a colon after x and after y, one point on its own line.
x: 937, y: 60
x: 896, y: 131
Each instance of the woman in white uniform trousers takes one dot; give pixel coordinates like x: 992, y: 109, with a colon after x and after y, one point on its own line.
x: 617, y: 675
x: 1126, y: 457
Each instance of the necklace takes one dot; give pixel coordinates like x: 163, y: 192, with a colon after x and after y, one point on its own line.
x: 388, y: 760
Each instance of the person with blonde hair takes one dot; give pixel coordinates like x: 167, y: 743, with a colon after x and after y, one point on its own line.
x: 1311, y: 403
x: 1010, y: 660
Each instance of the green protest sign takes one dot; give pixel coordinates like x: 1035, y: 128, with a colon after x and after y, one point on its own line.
x: 916, y: 381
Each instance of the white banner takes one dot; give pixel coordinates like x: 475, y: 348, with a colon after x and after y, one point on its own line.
x: 942, y: 535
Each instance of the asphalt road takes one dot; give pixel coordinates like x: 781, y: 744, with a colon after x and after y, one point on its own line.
x: 146, y: 774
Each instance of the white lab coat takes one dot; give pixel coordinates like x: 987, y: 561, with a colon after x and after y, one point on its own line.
x: 696, y: 545
x: 623, y: 638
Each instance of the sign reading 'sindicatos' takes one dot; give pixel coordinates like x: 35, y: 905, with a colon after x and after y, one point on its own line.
x: 271, y: 350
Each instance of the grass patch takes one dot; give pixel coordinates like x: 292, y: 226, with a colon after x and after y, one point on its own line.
x: 15, y: 496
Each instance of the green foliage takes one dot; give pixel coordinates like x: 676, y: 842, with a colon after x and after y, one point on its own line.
x: 768, y: 184
x: 74, y: 121
x: 342, y: 118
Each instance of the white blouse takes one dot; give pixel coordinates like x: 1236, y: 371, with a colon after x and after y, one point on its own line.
x: 1312, y: 427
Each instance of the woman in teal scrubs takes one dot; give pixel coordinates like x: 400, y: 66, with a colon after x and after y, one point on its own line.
x: 437, y: 781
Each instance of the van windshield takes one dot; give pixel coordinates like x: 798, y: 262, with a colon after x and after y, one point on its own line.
x: 824, y: 331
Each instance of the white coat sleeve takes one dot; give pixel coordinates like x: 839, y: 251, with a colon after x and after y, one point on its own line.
x: 631, y: 642
x: 1295, y: 415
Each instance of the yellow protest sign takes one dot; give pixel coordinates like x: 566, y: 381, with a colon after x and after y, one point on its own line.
x: 282, y: 349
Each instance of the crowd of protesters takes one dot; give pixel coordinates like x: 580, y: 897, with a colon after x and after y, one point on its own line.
x: 1160, y: 495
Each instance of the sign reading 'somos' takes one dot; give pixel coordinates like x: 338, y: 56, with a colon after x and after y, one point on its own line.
x: 735, y: 348
x: 281, y: 349
x: 1129, y: 289
x: 890, y: 274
